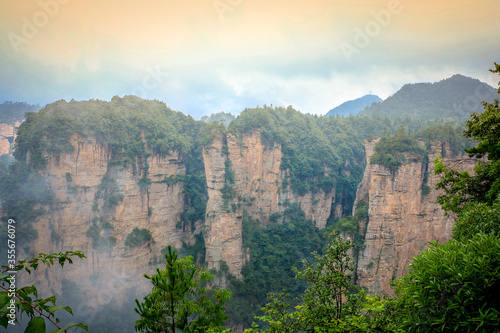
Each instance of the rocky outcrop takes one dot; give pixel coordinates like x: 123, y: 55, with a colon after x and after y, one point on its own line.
x: 259, y: 181
x: 95, y: 193
x: 8, y: 136
x: 76, y: 179
x: 222, y: 230
x: 402, y: 218
x: 258, y: 189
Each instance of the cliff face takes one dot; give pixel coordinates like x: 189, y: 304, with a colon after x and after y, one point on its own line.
x: 86, y: 181
x: 76, y: 179
x: 222, y: 230
x: 7, y: 136
x: 402, y: 219
x: 258, y: 189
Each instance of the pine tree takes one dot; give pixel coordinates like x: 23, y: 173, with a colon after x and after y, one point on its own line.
x: 180, y: 299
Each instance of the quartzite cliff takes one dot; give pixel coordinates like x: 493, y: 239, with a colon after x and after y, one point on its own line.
x: 402, y: 218
x: 76, y: 179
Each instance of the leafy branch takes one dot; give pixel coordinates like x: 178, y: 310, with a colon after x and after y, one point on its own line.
x: 26, y: 299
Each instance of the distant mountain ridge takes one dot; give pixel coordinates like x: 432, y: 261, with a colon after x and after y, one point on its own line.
x: 11, y: 112
x: 354, y: 106
x: 453, y: 98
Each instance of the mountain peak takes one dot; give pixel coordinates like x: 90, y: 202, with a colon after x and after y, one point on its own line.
x: 354, y: 106
x: 455, y: 97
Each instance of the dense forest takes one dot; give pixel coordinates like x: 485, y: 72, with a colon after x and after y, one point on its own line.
x: 298, y: 277
x: 13, y: 111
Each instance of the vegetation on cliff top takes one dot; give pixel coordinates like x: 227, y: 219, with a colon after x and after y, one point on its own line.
x: 453, y: 287
x: 13, y: 111
x: 130, y: 126
x: 389, y: 151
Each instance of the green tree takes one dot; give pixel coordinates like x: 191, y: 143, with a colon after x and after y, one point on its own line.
x: 452, y: 287
x: 181, y: 300
x: 477, y: 218
x: 16, y: 300
x: 484, y: 186
x: 331, y: 303
x: 389, y: 150
x: 328, y: 298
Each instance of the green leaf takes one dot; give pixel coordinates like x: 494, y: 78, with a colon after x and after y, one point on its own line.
x: 27, y: 308
x: 4, y: 299
x: 52, y: 309
x: 4, y: 322
x: 85, y: 327
x: 36, y: 325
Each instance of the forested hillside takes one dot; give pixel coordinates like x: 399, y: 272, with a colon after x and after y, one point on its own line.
x: 12, y: 111
x: 452, y: 99
x: 138, y: 177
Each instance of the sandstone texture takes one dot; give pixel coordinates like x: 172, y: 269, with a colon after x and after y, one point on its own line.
x: 402, y: 219
x: 8, y: 136
x: 75, y: 179
x: 259, y: 190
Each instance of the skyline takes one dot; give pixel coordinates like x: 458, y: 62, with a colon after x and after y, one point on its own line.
x: 203, y: 56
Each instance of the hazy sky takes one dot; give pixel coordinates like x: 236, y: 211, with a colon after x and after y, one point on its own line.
x: 203, y: 56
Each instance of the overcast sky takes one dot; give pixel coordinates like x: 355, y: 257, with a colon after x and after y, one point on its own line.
x: 204, y: 56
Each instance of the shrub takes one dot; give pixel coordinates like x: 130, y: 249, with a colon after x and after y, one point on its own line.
x: 389, y: 150
x: 452, y: 287
x: 138, y: 237
x: 477, y: 218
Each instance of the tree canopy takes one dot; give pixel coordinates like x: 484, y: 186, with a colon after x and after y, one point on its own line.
x: 484, y: 185
x: 181, y: 300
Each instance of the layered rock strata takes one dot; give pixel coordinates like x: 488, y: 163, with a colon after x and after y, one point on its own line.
x: 258, y: 190
x: 402, y: 219
x: 76, y: 178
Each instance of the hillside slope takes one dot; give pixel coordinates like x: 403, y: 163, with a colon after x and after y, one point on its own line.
x: 354, y: 106
x: 454, y: 98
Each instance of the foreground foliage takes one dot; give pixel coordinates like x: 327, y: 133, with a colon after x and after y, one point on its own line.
x: 180, y: 299
x: 15, y: 301
x: 452, y: 287
x: 484, y: 186
x: 331, y: 303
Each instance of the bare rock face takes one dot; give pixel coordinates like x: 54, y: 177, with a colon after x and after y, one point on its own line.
x: 222, y: 230
x: 76, y: 178
x: 79, y: 179
x: 8, y: 136
x: 259, y: 178
x: 258, y: 189
x: 402, y: 219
